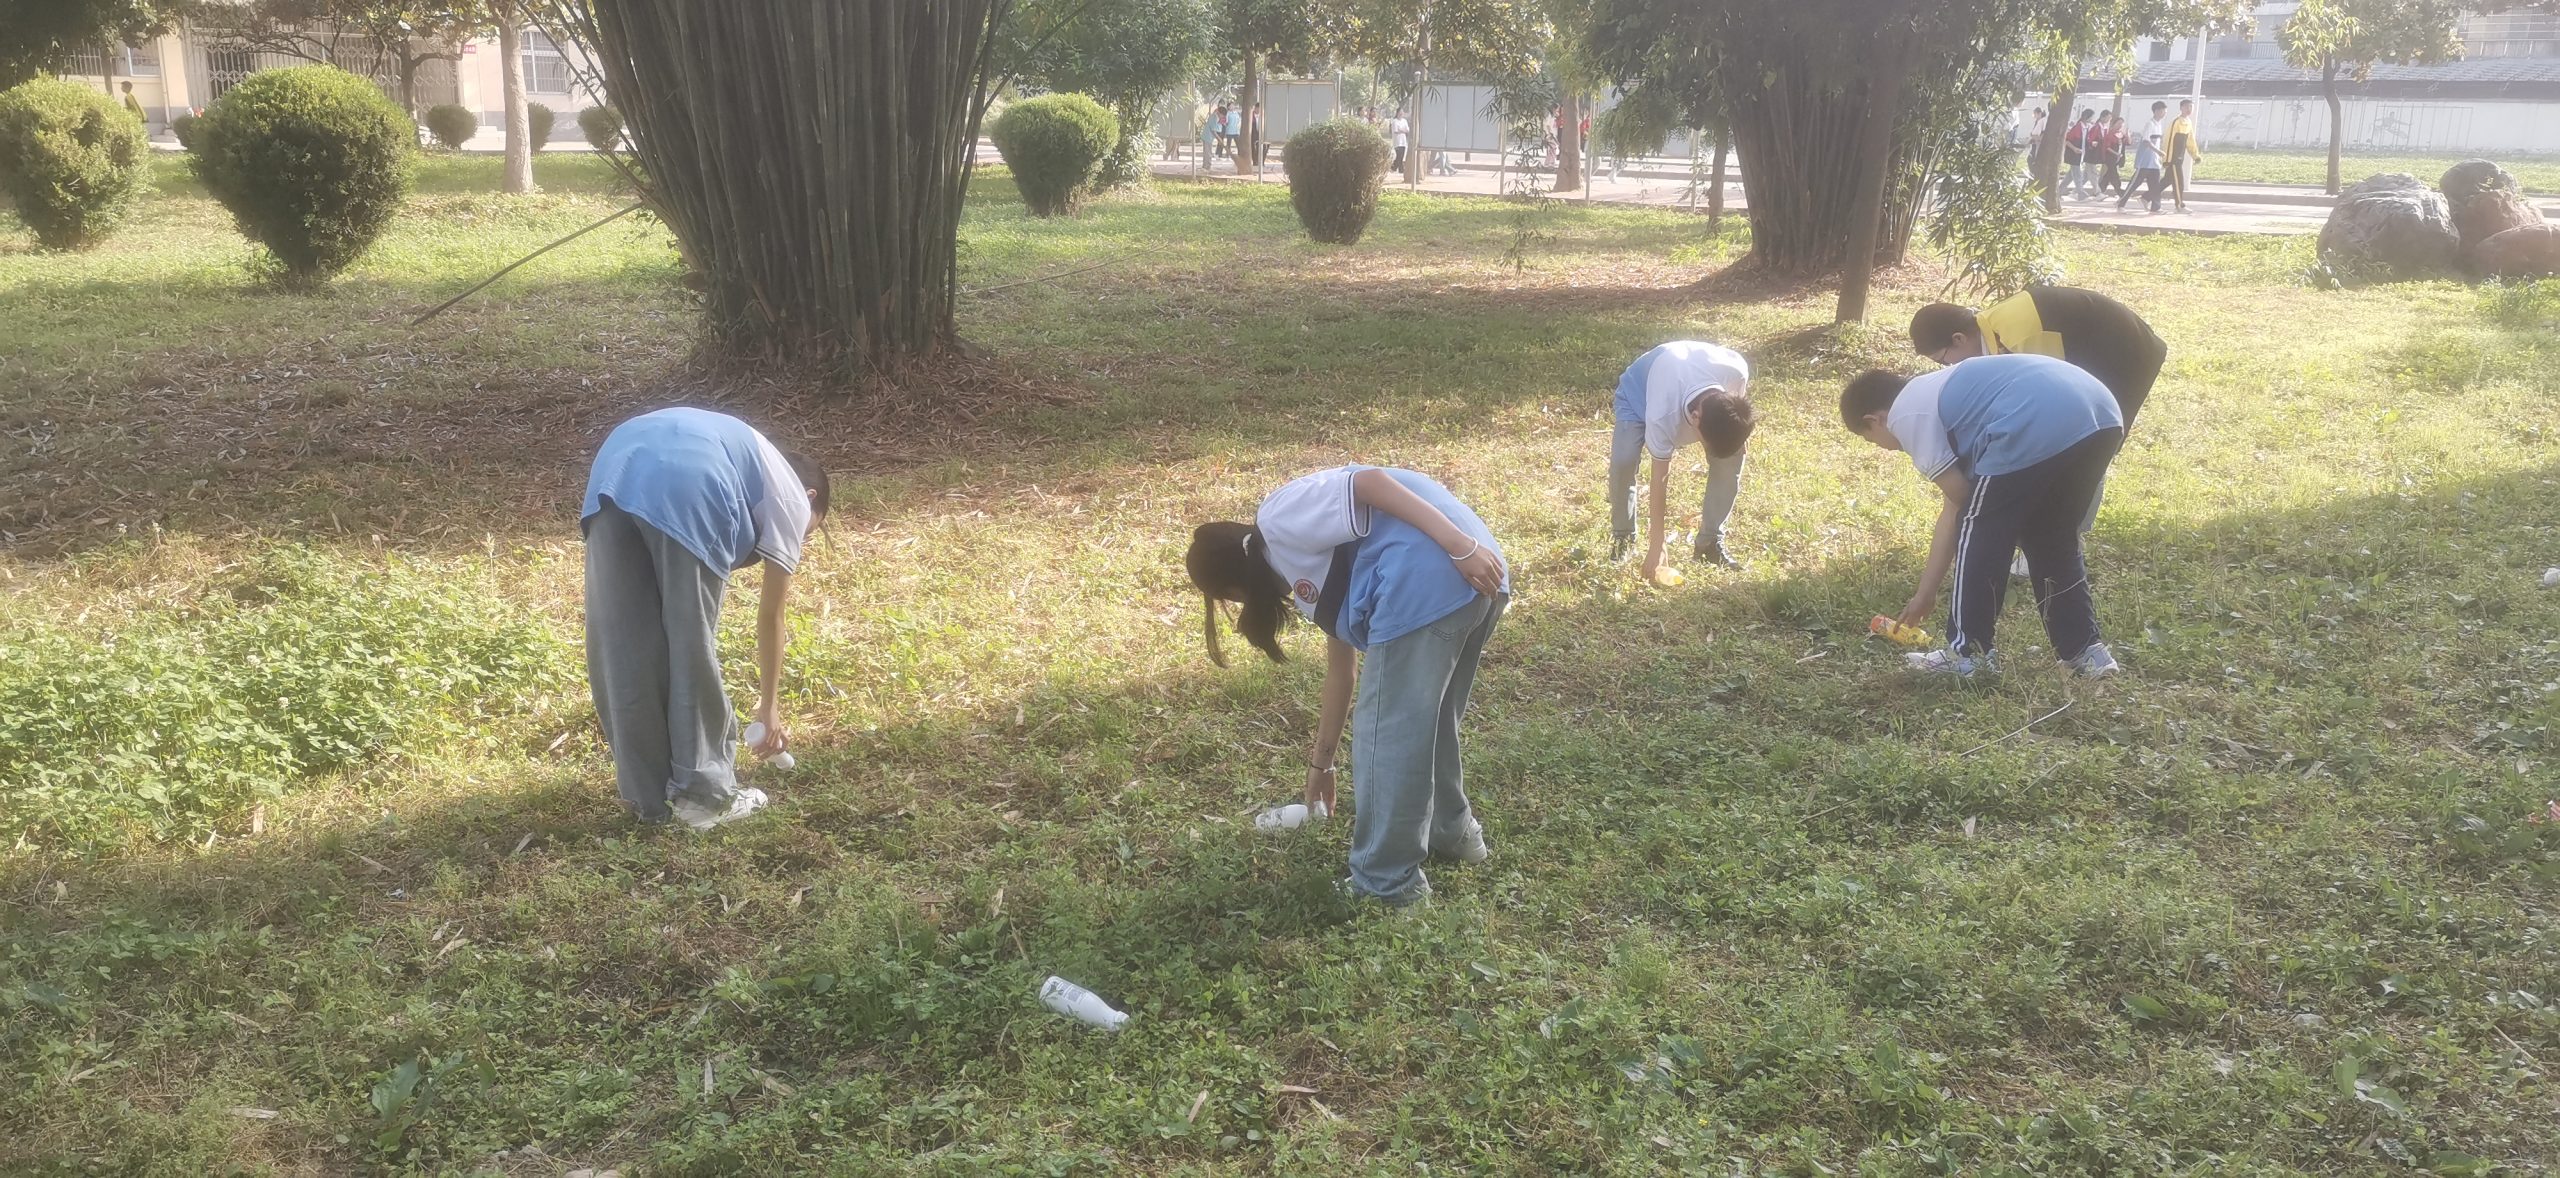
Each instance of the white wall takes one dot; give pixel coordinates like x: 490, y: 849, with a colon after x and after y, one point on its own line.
x: 2372, y: 124
x: 2385, y: 124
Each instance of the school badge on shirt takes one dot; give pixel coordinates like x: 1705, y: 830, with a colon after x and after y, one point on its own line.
x: 1306, y: 590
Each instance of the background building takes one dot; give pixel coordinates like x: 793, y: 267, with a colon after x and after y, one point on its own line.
x: 2503, y: 96
x: 190, y: 68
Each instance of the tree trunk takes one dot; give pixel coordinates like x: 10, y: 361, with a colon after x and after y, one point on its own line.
x: 2045, y: 170
x: 1251, y: 95
x: 409, y: 84
x: 519, y: 135
x: 1569, y: 146
x: 1715, y: 181
x: 1799, y: 137
x: 812, y: 159
x: 2337, y: 118
x: 1876, y: 158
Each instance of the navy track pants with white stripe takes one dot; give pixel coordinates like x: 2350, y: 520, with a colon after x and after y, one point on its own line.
x: 2037, y: 510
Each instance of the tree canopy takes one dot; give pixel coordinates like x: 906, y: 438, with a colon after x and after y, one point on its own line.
x: 41, y: 35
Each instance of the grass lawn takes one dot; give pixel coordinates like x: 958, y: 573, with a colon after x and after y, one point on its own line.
x: 318, y: 867
x: 2538, y: 173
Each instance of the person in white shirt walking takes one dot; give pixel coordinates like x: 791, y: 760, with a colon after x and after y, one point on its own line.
x: 1400, y: 133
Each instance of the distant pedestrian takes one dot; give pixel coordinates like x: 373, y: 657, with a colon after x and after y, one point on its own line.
x: 1235, y: 132
x: 2077, y: 156
x: 2035, y: 133
x: 1253, y: 135
x: 134, y: 104
x: 2146, y: 170
x: 1400, y: 133
x: 2184, y: 150
x: 1218, y: 132
x: 2111, y: 161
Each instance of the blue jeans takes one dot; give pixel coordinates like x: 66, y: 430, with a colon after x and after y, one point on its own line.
x: 1626, y: 458
x: 1408, y: 789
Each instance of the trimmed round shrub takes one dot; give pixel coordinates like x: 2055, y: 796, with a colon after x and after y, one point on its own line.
x: 602, y: 125
x: 1333, y: 170
x: 70, y: 159
x: 1055, y: 144
x: 537, y: 125
x: 452, y: 125
x: 183, y: 128
x: 312, y: 162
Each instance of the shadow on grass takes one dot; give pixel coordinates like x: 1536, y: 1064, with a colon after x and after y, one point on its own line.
x: 1675, y: 762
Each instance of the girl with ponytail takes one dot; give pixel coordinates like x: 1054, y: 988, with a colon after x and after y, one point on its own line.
x: 1407, y: 585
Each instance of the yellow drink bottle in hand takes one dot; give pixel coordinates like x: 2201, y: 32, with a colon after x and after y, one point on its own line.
x: 1888, y: 628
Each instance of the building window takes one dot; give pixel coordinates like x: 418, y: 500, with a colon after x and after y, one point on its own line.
x: 545, y: 71
x: 2160, y: 50
x: 142, y: 61
x: 2233, y: 45
x: 2512, y: 35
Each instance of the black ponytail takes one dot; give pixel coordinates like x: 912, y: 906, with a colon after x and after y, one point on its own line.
x: 1229, y: 562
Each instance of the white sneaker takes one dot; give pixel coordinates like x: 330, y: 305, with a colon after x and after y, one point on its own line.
x: 742, y: 803
x: 1947, y: 662
x: 1472, y: 849
x: 2096, y: 662
x: 2018, y: 567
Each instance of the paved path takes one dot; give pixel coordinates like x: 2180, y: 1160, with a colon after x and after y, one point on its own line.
x: 2215, y: 208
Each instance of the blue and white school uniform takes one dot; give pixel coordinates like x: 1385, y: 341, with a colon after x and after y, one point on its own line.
x: 2034, y: 435
x: 1386, y: 589
x: 676, y: 501
x: 1653, y: 418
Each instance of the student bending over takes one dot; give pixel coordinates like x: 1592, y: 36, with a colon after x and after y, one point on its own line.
x: 2017, y: 446
x: 1408, y: 585
x: 679, y: 499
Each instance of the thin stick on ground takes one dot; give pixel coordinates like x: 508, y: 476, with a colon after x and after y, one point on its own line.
x: 2066, y: 706
x: 483, y: 284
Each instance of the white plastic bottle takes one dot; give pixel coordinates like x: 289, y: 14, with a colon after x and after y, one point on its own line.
x: 1080, y: 1004
x: 1288, y: 817
x: 780, y: 760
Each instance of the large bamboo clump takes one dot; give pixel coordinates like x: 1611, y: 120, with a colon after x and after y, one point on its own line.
x: 812, y: 159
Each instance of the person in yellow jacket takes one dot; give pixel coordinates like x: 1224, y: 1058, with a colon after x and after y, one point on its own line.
x: 2183, y: 147
x: 2083, y: 328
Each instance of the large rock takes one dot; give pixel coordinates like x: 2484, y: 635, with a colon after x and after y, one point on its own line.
x: 2490, y: 212
x: 2390, y: 226
x: 2532, y: 251
x: 2470, y: 178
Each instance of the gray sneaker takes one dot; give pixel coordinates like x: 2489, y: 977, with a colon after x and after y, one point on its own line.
x: 1620, y: 546
x: 2096, y: 662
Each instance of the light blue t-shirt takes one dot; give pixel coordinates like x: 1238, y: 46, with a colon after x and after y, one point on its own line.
x: 707, y: 480
x: 1655, y: 391
x: 1630, y: 401
x: 1998, y: 414
x: 1364, y: 576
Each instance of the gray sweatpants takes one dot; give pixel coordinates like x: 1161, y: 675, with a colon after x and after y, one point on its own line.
x: 1626, y: 462
x: 653, y: 662
x: 1408, y: 789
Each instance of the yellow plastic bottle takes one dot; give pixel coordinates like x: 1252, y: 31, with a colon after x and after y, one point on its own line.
x: 1890, y: 629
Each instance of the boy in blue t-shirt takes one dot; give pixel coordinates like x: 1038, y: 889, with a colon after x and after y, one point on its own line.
x: 1680, y: 392
x: 1407, y: 585
x: 2018, y: 446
